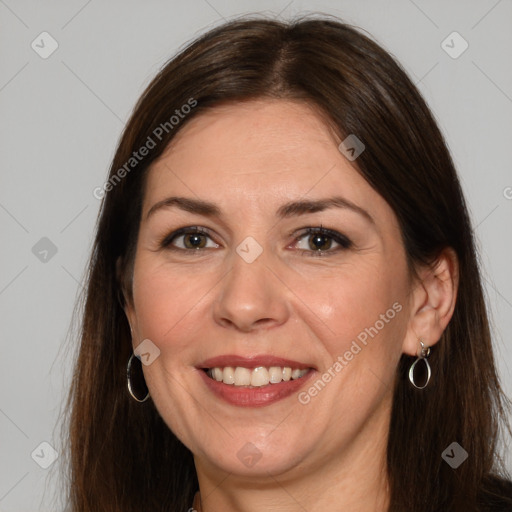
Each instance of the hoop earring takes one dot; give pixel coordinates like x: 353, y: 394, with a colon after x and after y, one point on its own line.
x: 422, y: 356
x: 141, y: 383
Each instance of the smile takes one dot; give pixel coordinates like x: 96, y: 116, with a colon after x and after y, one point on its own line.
x: 255, y: 377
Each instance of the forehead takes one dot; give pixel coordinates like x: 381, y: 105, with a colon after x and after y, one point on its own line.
x: 246, y: 155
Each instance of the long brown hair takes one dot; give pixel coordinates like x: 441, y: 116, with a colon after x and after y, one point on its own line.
x: 122, y: 455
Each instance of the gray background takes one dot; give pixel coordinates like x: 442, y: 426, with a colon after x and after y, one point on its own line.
x: 61, y: 118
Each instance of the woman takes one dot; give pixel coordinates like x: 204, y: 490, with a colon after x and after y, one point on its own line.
x: 284, y: 309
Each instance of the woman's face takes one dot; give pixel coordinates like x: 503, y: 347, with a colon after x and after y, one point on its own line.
x: 247, y: 286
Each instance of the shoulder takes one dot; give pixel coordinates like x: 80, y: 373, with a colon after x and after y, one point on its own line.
x: 497, y: 496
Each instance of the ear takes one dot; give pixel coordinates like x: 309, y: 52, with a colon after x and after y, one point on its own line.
x: 432, y: 302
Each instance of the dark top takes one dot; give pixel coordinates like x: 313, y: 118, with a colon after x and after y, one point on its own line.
x: 499, y: 498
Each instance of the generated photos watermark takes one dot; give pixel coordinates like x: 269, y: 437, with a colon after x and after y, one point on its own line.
x: 454, y: 455
x: 44, y: 455
x: 137, y: 156
x: 342, y: 361
x: 351, y: 147
x: 147, y: 352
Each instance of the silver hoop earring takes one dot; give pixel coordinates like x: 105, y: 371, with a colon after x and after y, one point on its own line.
x: 140, y: 385
x: 422, y: 356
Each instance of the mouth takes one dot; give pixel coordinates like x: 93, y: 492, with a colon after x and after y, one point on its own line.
x: 240, y: 376
x: 254, y: 381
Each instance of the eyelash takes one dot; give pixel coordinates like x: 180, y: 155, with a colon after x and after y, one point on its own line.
x: 341, y: 240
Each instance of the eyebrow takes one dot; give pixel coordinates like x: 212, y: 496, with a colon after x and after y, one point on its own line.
x: 291, y: 209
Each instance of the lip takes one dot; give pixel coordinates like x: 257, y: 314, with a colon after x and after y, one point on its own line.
x: 251, y: 362
x: 255, y: 397
x: 241, y: 396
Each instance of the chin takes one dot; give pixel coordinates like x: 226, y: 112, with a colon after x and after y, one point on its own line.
x: 243, y: 455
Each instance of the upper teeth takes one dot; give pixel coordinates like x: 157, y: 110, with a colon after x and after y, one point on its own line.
x: 260, y: 376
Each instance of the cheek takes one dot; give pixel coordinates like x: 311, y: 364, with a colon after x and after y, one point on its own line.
x: 366, y: 309
x: 359, y: 301
x: 165, y: 300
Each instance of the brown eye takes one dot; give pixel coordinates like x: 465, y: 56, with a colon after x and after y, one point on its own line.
x: 194, y: 241
x: 188, y: 239
x: 320, y: 242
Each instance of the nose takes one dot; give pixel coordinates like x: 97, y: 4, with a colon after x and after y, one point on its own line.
x: 251, y: 296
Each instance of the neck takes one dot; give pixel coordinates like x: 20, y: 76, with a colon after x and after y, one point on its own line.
x: 354, y: 479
